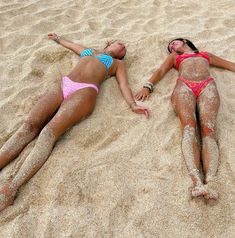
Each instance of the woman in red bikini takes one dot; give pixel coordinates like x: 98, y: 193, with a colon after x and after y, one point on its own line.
x: 59, y: 110
x: 195, y: 90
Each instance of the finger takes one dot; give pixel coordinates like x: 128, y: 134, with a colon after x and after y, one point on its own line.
x: 141, y: 95
x: 146, y: 112
x: 143, y: 98
x: 138, y: 97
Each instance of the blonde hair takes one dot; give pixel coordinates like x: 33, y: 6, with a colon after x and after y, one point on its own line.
x: 110, y: 42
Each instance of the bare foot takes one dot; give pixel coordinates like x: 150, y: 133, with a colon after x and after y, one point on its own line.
x: 199, y: 190
x: 211, y: 187
x: 7, y: 195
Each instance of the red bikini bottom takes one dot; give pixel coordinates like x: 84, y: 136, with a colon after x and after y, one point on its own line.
x: 197, y: 87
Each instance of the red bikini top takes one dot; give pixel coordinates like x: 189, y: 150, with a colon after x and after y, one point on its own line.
x: 182, y: 57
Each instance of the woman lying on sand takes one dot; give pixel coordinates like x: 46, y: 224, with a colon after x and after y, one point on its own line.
x: 59, y: 110
x: 195, y: 91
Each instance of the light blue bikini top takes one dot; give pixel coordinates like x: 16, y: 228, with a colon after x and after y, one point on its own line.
x: 105, y: 59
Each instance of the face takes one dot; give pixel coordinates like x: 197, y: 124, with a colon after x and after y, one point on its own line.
x: 118, y: 48
x: 175, y: 45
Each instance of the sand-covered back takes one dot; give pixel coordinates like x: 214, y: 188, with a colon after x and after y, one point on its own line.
x: 116, y: 174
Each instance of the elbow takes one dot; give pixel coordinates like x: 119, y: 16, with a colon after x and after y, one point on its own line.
x: 233, y: 67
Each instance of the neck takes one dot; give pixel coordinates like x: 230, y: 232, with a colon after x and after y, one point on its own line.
x: 184, y: 49
x: 109, y: 52
x: 187, y: 48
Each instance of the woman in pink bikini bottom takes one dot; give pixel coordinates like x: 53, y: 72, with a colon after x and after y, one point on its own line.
x: 59, y: 110
x: 195, y: 90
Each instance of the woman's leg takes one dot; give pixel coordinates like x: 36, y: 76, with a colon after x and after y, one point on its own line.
x: 208, y: 105
x: 38, y: 117
x: 184, y: 103
x: 76, y: 107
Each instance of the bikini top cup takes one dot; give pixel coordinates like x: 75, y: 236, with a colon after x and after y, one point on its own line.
x: 182, y: 57
x: 105, y: 59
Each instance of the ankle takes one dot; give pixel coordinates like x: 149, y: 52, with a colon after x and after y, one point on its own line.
x: 195, y: 176
x: 11, y: 185
x: 210, y: 179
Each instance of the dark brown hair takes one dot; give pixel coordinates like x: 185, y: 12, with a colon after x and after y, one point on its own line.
x: 186, y: 41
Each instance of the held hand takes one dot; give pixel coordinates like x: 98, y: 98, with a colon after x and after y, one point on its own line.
x: 142, y: 94
x: 52, y: 36
x: 140, y: 110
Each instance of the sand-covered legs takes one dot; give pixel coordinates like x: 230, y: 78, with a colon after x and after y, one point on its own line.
x: 72, y: 110
x: 184, y: 103
x: 208, y: 105
x: 38, y: 117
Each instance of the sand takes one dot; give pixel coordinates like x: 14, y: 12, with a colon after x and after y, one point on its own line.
x: 115, y: 174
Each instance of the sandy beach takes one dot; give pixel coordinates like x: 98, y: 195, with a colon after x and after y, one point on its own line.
x: 115, y: 174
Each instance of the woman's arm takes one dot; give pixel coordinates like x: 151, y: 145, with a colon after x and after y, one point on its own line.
x: 126, y: 91
x: 144, y: 93
x: 221, y: 63
x: 77, y: 48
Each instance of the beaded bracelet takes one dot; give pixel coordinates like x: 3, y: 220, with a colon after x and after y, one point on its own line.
x: 149, y: 86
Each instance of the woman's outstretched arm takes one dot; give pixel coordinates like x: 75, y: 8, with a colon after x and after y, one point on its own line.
x: 221, y: 63
x: 144, y: 93
x: 77, y: 48
x: 126, y: 90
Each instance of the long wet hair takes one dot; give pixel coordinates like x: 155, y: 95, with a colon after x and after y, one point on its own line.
x: 186, y: 41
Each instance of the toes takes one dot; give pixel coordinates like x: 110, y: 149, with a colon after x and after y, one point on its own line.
x: 199, y: 191
x: 212, y: 187
x: 3, y: 201
x: 6, y: 197
x: 212, y: 194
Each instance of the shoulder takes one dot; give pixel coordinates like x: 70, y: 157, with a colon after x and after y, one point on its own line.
x: 209, y: 53
x: 170, y: 60
x: 118, y: 63
x: 206, y: 53
x: 117, y: 66
x: 211, y: 56
x: 171, y: 57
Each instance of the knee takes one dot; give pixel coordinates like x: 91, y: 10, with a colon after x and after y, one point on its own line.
x: 30, y: 126
x: 208, y: 129
x: 189, y: 131
x: 48, y: 135
x: 188, y: 137
x: 189, y: 127
x: 54, y: 130
x: 189, y: 123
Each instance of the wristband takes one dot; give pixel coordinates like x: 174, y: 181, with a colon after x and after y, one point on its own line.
x: 150, y: 90
x: 149, y: 86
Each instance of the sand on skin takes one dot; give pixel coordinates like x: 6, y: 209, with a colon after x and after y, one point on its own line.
x: 115, y: 174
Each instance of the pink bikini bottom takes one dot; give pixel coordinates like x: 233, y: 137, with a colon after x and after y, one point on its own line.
x: 197, y: 87
x: 69, y: 86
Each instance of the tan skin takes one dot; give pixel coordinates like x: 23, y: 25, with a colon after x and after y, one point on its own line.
x: 184, y: 103
x: 53, y: 115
